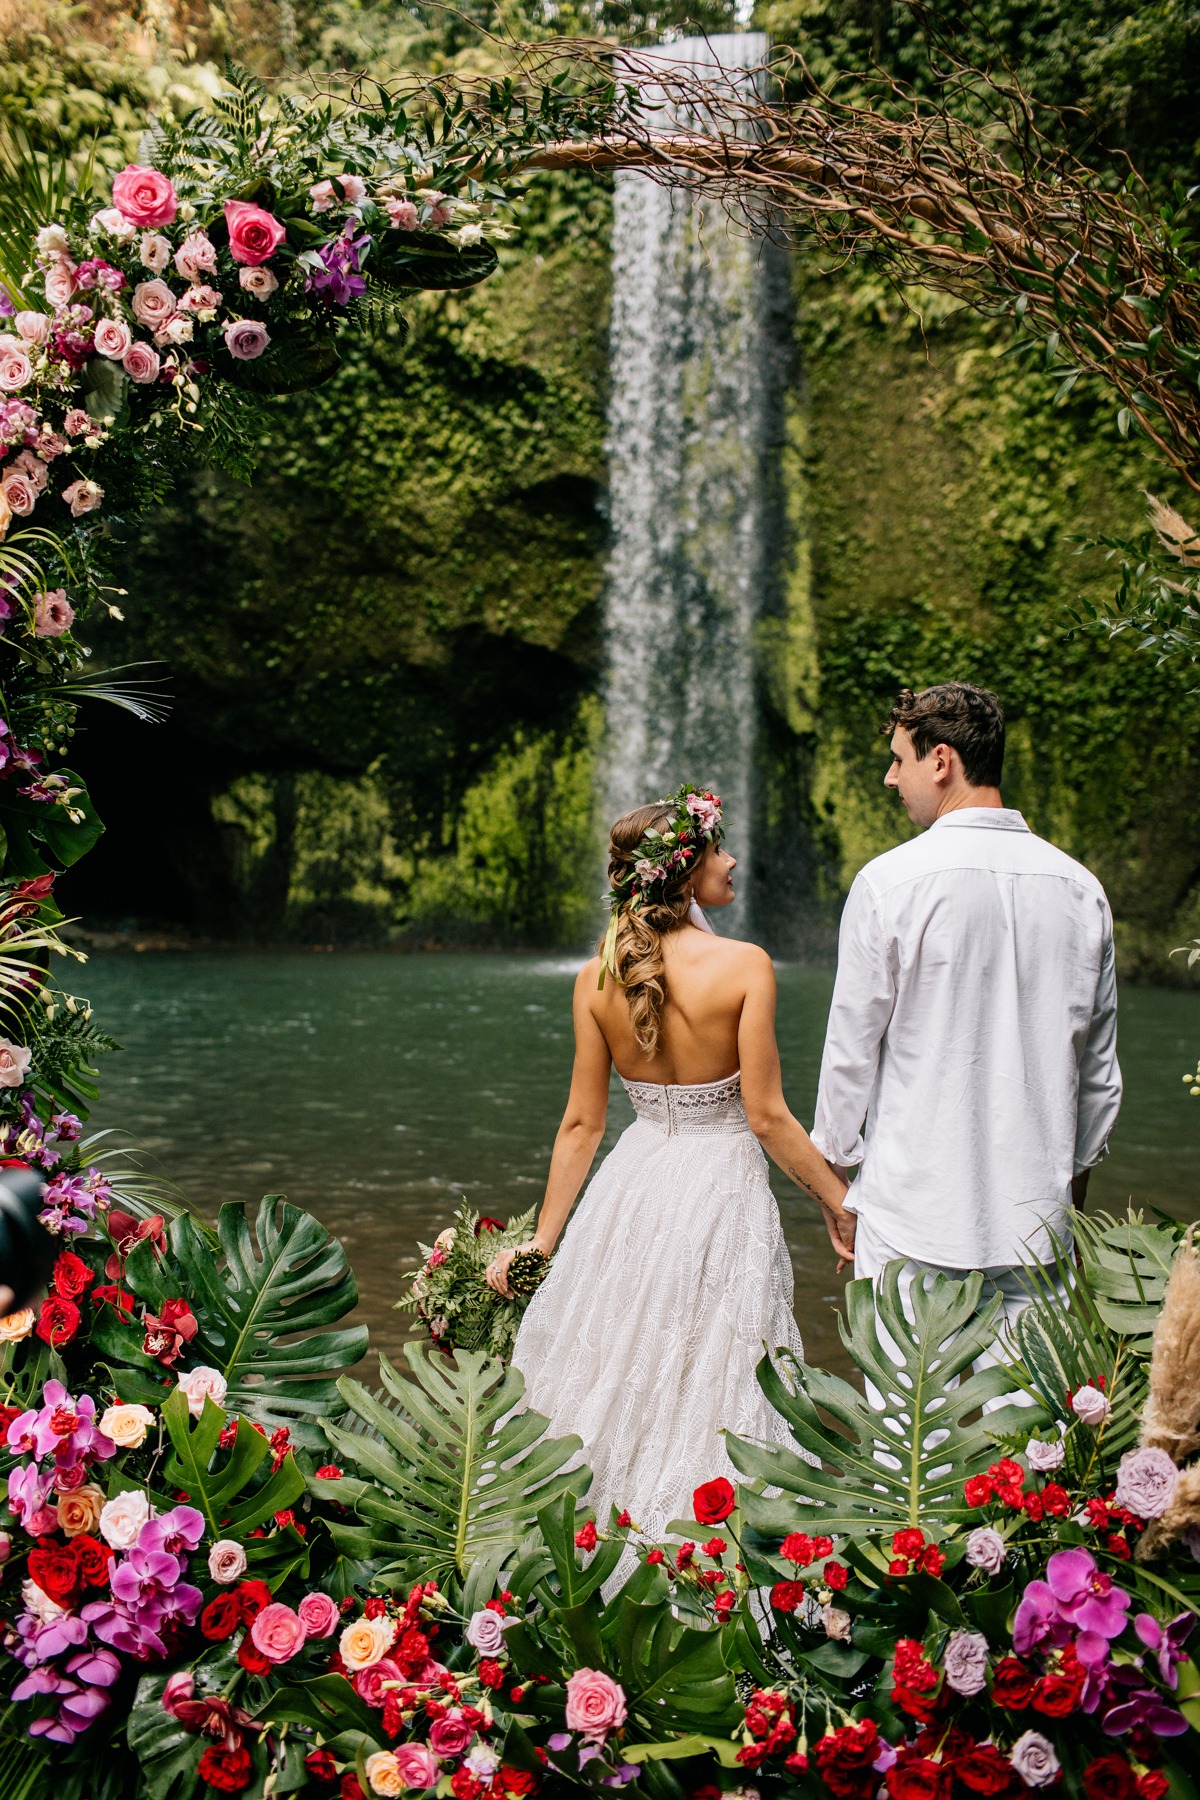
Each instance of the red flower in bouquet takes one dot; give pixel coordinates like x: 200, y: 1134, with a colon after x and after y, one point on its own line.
x: 221, y: 1618
x: 585, y: 1537
x: 1059, y: 1691
x: 483, y: 1225
x: 57, y: 1322
x: 977, y: 1491
x: 915, y: 1682
x: 1152, y: 1785
x: 983, y: 1769
x: 713, y: 1501
x: 251, y: 1657
x: 92, y: 1559
x: 1013, y: 1685
x: 786, y: 1596
x: 916, y: 1777
x: 836, y: 1575
x: 797, y: 1547
x: 167, y: 1334
x: 251, y: 1597
x: 321, y: 1767
x: 844, y: 1758
x: 228, y: 1771
x: 1110, y: 1777
x: 55, y: 1569
x: 71, y: 1276
x: 116, y: 1296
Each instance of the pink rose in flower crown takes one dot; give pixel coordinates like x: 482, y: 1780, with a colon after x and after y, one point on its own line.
x: 52, y: 613
x: 245, y: 339
x: 254, y: 234
x: 196, y: 255
x: 34, y: 327
x: 144, y: 196
x: 141, y: 363
x: 83, y: 497
x: 259, y: 282
x: 595, y: 1704
x: 277, y: 1633
x: 319, y: 1615
x: 20, y: 493
x: 113, y: 338
x: 153, y: 303
x: 16, y: 370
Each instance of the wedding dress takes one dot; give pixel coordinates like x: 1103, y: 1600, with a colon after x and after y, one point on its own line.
x: 670, y: 1279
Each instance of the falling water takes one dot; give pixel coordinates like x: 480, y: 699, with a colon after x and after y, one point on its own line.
x: 696, y: 392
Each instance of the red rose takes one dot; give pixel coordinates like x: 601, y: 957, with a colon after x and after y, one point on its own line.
x: 221, y: 1618
x: 92, y: 1558
x: 228, y: 1771
x: 251, y: 1597
x: 786, y: 1596
x: 116, y: 1296
x: 1110, y: 1777
x: 983, y: 1769
x: 1013, y: 1685
x: 351, y: 1788
x: 714, y: 1501
x: 977, y: 1491
x: 917, y: 1778
x: 715, y: 1547
x: 58, y: 1321
x: 1057, y: 1695
x: 835, y: 1575
x: 7, y: 1415
x: 585, y: 1538
x: 797, y: 1547
x: 71, y: 1276
x: 1152, y: 1785
x: 515, y: 1781
x: 251, y: 1658
x: 916, y: 1703
x: 56, y: 1571
x: 321, y: 1767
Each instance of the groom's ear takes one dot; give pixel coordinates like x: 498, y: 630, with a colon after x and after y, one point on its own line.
x: 942, y: 759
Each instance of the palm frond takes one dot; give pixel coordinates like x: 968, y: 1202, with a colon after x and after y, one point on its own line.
x: 1127, y: 1263
x: 138, y: 697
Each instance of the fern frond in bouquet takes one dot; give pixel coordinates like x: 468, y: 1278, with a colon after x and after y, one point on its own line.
x: 449, y: 1293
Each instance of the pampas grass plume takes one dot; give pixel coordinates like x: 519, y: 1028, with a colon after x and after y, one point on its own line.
x: 1172, y: 1412
x: 1174, y: 533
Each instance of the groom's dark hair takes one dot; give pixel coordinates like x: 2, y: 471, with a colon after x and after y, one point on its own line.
x: 968, y: 719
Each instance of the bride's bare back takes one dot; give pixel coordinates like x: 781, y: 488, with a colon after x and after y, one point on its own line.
x: 707, y: 981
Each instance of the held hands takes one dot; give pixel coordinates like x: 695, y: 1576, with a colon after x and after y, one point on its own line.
x: 841, y: 1227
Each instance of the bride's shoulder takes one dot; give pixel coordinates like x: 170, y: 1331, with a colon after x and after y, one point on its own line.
x: 737, y: 954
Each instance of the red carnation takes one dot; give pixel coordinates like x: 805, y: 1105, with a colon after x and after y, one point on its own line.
x: 515, y: 1781
x: 932, y: 1560
x: 1056, y: 1500
x: 715, y: 1547
x: 1110, y: 1777
x: 221, y: 1618
x: 977, y: 1491
x: 786, y: 1596
x: 983, y: 1769
x: 797, y: 1547
x: 1152, y: 1785
x: 58, y: 1321
x: 7, y: 1415
x: 491, y: 1673
x: 1013, y: 1685
x: 329, y: 1472
x: 909, y: 1542
x: 71, y: 1276
x: 836, y: 1576
x: 228, y: 1771
x: 714, y: 1501
x: 585, y: 1537
x: 251, y: 1597
x: 822, y: 1546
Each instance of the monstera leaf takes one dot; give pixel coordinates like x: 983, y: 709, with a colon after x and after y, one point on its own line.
x: 452, y: 1477
x: 881, y: 1470
x: 260, y: 1300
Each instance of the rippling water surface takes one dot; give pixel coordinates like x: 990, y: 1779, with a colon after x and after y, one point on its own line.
x: 375, y: 1090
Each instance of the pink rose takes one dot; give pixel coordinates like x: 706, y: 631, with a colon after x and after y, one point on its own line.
x: 449, y: 1736
x: 277, y: 1633
x: 368, y: 1683
x: 196, y: 254
x: 595, y: 1704
x: 114, y: 223
x: 34, y: 327
x: 227, y: 1562
x: 76, y: 422
x: 155, y: 252
x: 83, y: 497
x: 319, y: 1615
x: 245, y: 339
x: 418, y: 1766
x: 143, y: 196
x: 20, y: 493
x: 113, y: 338
x: 402, y: 214
x: 201, y: 1384
x: 259, y: 282
x: 322, y: 196
x: 177, y: 329
x: 14, y: 1062
x: 16, y: 370
x: 1091, y: 1405
x: 153, y: 303
x: 52, y: 615
x: 253, y: 234
x: 354, y: 188
x: 200, y: 299
x: 141, y: 364
x: 59, y: 284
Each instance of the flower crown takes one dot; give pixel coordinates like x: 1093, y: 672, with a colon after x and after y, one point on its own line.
x: 660, y: 857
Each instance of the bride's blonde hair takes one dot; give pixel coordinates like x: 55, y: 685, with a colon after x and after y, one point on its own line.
x: 637, y: 958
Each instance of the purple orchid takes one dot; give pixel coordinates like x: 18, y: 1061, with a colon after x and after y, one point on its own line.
x: 176, y: 1531
x: 341, y: 258
x: 1076, y: 1602
x: 1166, y: 1642
x: 29, y: 1492
x: 39, y: 1641
x: 1142, y: 1706
x: 81, y: 1700
x: 63, y: 1428
x: 150, y: 1600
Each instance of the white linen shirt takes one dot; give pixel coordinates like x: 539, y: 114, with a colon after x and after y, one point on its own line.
x: 974, y: 1026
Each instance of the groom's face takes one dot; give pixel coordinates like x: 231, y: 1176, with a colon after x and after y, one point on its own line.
x: 915, y: 779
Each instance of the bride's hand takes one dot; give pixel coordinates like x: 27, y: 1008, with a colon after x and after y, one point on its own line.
x: 497, y: 1272
x: 841, y: 1227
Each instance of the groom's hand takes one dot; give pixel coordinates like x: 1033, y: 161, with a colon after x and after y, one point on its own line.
x: 841, y: 1227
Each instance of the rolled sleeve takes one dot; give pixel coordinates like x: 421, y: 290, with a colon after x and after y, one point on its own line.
x: 864, y: 996
x: 1099, y: 1071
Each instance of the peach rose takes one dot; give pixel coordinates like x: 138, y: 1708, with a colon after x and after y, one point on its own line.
x: 20, y: 493
x: 153, y: 304
x: 141, y: 363
x: 113, y: 338
x: 126, y: 1426
x: 202, y: 1384
x: 80, y: 1511
x: 82, y: 497
x: 196, y: 254
x: 259, y: 282
x: 14, y: 1061
x: 277, y: 1633
x: 144, y: 196
x: 384, y: 1777
x: 17, y: 1326
x: 5, y: 514
x: 155, y: 252
x: 595, y: 1704
x: 16, y: 370
x: 59, y: 284
x: 52, y: 615
x: 34, y: 327
x: 254, y: 234
x: 365, y: 1642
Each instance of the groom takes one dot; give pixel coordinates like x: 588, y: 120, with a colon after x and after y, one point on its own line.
x: 974, y: 1019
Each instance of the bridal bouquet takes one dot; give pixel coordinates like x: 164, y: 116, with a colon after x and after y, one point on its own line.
x: 449, y: 1293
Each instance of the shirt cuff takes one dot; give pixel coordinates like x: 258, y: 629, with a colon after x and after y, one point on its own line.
x: 849, y: 1159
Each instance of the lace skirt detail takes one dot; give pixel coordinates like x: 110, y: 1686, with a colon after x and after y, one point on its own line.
x: 671, y: 1277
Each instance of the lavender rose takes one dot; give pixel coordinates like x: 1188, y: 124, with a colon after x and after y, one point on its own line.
x: 485, y: 1633
x: 1091, y: 1406
x: 1145, y: 1482
x: 1033, y: 1758
x: 966, y: 1662
x: 113, y: 338
x: 985, y: 1549
x: 153, y: 304
x: 245, y: 339
x: 1045, y: 1457
x: 141, y: 363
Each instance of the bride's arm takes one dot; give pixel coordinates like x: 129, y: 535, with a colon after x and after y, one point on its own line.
x: 579, y: 1134
x: 783, y: 1137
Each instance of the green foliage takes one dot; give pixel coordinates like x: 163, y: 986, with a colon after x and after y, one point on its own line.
x: 223, y: 1487
x: 900, y: 1465
x: 450, y: 1477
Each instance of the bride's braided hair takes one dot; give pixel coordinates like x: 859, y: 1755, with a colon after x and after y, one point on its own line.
x: 653, y: 852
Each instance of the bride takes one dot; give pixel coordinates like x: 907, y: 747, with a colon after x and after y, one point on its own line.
x: 644, y: 1336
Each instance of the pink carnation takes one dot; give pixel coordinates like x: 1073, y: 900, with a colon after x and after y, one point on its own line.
x: 322, y: 196
x: 254, y: 235
x: 200, y: 299
x: 83, y: 497
x: 402, y: 214
x: 195, y: 255
x: 76, y: 422
x: 144, y: 196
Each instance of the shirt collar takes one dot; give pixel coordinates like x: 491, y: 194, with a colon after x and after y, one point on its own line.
x: 989, y: 818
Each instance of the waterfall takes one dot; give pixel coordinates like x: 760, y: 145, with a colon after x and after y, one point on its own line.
x: 696, y: 395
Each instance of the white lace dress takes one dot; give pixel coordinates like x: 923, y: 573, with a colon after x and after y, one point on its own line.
x: 671, y: 1277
